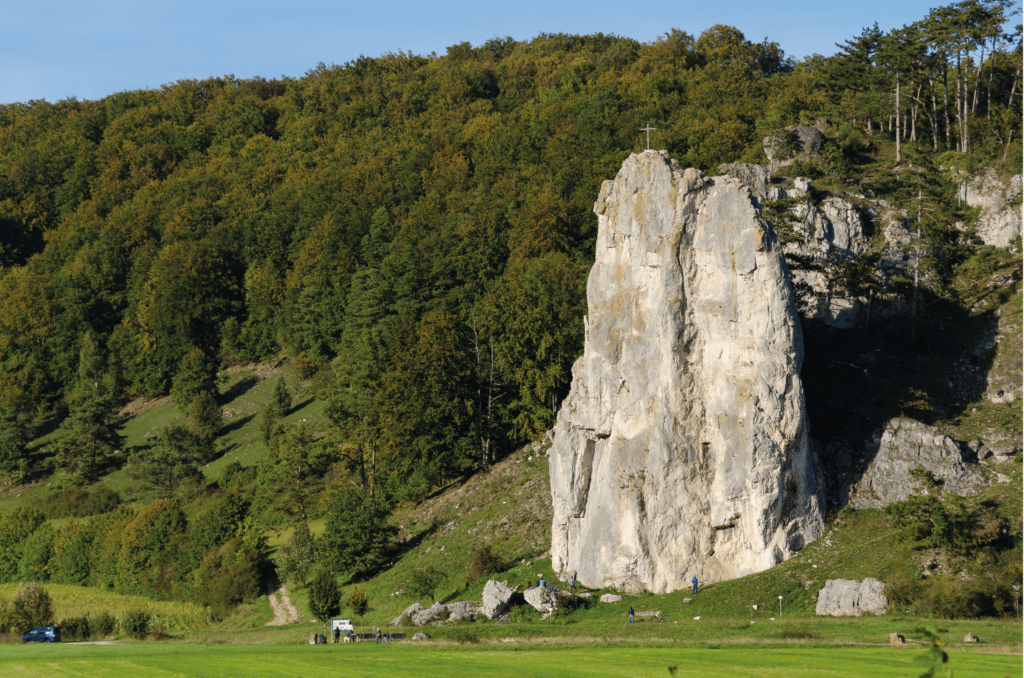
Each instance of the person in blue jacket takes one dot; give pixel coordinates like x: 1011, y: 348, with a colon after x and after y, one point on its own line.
x: 694, y: 583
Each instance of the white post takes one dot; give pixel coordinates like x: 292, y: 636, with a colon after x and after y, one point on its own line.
x: 780, y: 607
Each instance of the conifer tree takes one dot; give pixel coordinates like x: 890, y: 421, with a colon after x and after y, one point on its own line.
x: 197, y: 374
x: 90, y: 436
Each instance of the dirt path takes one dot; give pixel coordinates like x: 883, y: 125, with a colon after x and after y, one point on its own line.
x: 281, y: 604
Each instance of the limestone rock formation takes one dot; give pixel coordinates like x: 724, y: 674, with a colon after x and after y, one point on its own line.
x: 610, y: 598
x: 540, y: 599
x: 463, y: 610
x: 408, y: 613
x: 807, y: 144
x: 495, y: 599
x: 904, y: 445
x: 430, y: 614
x: 682, y: 448
x: 1000, y: 220
x: 849, y: 598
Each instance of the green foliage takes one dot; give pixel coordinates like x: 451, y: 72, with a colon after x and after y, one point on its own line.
x: 136, y: 624
x: 216, y: 525
x: 102, y: 624
x: 358, y: 529
x: 275, y: 410
x: 935, y: 658
x: 296, y: 559
x: 358, y: 602
x: 486, y: 562
x: 293, y: 472
x: 324, y: 596
x: 36, y: 555
x: 425, y: 581
x: 15, y: 529
x: 204, y: 420
x: 941, y: 522
x: 15, y: 433
x: 31, y: 607
x: 78, y: 502
x: 75, y: 628
x: 171, y: 464
x: 196, y: 374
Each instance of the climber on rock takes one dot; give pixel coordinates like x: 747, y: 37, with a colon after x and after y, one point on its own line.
x: 622, y: 385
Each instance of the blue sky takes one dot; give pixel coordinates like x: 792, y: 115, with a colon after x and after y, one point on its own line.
x: 52, y: 49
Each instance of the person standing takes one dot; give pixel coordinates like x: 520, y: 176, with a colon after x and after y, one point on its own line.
x: 630, y: 614
x: 694, y: 583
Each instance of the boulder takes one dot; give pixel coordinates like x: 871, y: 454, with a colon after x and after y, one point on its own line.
x: 849, y: 598
x: 422, y: 635
x: 540, y: 599
x: 904, y: 445
x: 806, y: 144
x: 610, y: 598
x: 464, y: 610
x: 971, y: 638
x: 682, y: 447
x: 409, y: 612
x: 430, y: 614
x: 687, y: 600
x: 495, y: 599
x: 897, y: 639
x: 649, y: 613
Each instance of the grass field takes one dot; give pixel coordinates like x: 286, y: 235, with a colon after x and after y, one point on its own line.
x: 514, y: 661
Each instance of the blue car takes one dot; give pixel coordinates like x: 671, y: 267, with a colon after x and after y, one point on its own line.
x: 44, y: 634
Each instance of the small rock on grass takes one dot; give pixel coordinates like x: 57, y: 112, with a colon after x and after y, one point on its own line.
x: 509, y: 640
x: 421, y: 636
x: 897, y: 639
x: 971, y: 638
x: 610, y: 598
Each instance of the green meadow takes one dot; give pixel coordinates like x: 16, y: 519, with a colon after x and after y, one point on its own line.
x: 514, y: 661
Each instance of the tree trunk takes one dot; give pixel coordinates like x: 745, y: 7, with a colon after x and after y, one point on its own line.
x: 977, y: 80
x: 899, y: 157
x: 991, y: 68
x: 917, y: 263
x: 945, y: 98
x: 1013, y: 90
x: 935, y: 118
x: 959, y: 106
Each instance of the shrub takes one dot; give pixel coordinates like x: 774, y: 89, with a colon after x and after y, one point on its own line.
x: 32, y: 607
x: 425, y: 581
x: 136, y: 624
x: 102, y: 625
x: 75, y: 628
x: 359, y: 604
x: 35, y: 557
x: 485, y: 563
x: 305, y: 366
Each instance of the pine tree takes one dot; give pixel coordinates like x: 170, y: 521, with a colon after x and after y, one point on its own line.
x: 204, y: 421
x: 274, y: 411
x: 196, y: 374
x: 324, y: 596
x: 172, y: 463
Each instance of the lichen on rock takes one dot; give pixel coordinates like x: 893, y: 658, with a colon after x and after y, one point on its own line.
x: 682, y: 448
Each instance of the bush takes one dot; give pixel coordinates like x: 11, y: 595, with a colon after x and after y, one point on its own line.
x: 32, y: 607
x: 305, y: 366
x: 359, y: 604
x: 102, y: 625
x: 136, y: 624
x: 295, y: 560
x: 324, y: 596
x: 75, y: 628
x: 425, y: 581
x: 485, y: 563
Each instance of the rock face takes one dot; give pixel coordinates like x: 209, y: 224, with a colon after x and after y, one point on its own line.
x: 495, y: 599
x: 682, y: 448
x: 464, y: 610
x: 999, y: 222
x: 541, y: 599
x: 430, y: 614
x: 904, y: 445
x: 849, y: 598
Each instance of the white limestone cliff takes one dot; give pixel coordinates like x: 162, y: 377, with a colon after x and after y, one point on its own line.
x: 700, y: 463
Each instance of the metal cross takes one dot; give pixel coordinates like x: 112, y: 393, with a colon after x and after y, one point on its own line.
x: 648, y: 129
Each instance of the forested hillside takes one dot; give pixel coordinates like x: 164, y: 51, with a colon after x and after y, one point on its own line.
x: 414, y: 232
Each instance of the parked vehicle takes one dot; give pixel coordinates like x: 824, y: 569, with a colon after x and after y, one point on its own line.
x: 43, y: 634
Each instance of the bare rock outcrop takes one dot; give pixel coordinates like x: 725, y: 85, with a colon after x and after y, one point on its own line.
x: 850, y: 598
x: 408, y: 614
x: 435, y: 611
x: 682, y: 448
x: 806, y: 144
x: 904, y: 445
x: 495, y: 599
x: 1000, y: 220
x: 540, y: 599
